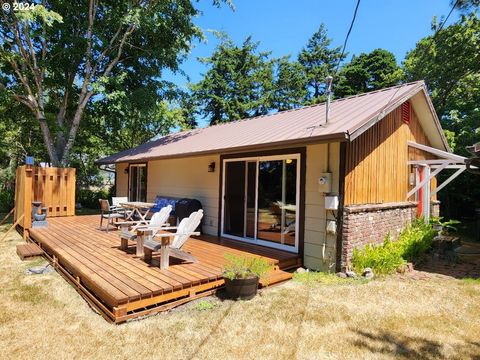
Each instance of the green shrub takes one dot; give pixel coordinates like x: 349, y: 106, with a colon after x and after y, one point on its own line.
x: 7, y: 199
x: 244, y: 267
x: 89, y: 198
x: 382, y: 259
x: 386, y: 258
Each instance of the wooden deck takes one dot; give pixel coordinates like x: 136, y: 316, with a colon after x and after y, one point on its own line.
x: 122, y: 286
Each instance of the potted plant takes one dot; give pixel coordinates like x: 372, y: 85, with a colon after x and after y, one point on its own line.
x: 242, y: 274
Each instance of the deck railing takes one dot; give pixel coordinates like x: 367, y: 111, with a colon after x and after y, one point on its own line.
x: 54, y: 187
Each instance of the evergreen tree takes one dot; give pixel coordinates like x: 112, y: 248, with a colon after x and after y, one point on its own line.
x: 368, y: 72
x: 319, y: 60
x: 238, y: 83
x: 290, y: 85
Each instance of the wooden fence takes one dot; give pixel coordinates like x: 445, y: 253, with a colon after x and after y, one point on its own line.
x: 54, y: 187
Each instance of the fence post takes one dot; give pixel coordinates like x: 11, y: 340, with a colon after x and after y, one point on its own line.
x: 27, y: 205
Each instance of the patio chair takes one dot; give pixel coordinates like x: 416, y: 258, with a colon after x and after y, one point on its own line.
x: 116, y: 200
x: 107, y: 213
x: 129, y: 228
x: 184, y: 230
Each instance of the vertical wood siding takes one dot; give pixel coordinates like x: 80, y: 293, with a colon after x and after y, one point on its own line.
x: 376, y: 162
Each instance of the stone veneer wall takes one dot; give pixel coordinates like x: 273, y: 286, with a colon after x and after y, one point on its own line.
x: 369, y: 224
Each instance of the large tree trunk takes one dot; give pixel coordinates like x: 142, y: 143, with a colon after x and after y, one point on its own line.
x: 47, y: 138
x: 72, y: 134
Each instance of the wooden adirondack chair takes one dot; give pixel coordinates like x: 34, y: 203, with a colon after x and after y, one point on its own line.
x: 130, y: 230
x: 173, y: 248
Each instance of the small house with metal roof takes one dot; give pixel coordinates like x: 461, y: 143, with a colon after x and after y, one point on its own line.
x: 302, y: 180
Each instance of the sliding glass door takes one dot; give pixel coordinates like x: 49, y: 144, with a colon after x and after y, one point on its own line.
x: 260, y: 200
x: 137, y: 182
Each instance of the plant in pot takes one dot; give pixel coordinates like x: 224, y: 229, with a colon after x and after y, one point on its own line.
x: 241, y: 274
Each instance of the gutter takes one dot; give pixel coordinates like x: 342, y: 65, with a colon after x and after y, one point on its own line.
x: 337, y: 137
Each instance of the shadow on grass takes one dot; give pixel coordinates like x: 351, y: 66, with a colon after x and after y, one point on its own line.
x: 409, y: 347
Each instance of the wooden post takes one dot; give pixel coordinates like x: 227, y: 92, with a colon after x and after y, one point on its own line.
x: 165, y: 253
x: 141, y: 235
x: 28, y: 197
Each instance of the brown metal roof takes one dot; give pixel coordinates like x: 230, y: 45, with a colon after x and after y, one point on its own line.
x: 348, y: 118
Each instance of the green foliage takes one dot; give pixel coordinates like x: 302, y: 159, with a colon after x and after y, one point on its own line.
x: 290, y: 85
x: 368, y: 72
x: 7, y: 199
x: 89, y: 198
x: 386, y: 258
x: 450, y: 64
x: 238, y: 83
x: 471, y: 281
x: 448, y: 226
x: 203, y: 305
x: 69, y: 57
x: 319, y: 60
x: 382, y: 259
x: 244, y: 267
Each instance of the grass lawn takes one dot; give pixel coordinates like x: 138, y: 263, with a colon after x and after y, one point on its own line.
x: 315, y: 318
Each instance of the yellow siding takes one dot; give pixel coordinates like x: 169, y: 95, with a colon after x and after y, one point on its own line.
x: 319, y: 249
x: 121, y: 180
x: 188, y: 177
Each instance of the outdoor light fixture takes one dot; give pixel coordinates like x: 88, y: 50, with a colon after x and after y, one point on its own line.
x: 125, y: 171
x: 211, y: 167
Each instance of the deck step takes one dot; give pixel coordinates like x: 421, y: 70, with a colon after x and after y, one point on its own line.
x: 25, y: 251
x: 275, y: 277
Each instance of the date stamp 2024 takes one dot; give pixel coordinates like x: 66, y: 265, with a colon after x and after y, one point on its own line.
x: 18, y: 6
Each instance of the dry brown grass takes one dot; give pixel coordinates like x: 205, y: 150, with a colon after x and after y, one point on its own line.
x: 43, y: 317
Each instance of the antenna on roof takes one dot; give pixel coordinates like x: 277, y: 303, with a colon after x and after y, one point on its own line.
x: 328, y: 92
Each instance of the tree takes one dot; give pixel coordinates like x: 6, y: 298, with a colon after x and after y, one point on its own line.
x: 449, y: 62
x: 466, y: 5
x: 290, y: 85
x: 238, y: 83
x: 319, y: 60
x: 55, y: 57
x: 368, y: 72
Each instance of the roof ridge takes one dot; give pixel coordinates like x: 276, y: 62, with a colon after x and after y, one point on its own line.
x: 310, y: 106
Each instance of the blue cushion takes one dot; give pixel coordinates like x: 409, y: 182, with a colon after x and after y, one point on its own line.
x: 161, y: 202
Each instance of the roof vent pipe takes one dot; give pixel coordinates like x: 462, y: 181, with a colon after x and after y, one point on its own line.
x: 328, y: 92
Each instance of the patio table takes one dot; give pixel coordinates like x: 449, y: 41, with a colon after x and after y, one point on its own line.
x: 136, y: 206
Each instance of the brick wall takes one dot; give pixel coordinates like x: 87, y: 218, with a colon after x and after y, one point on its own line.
x: 369, y: 224
x: 435, y: 209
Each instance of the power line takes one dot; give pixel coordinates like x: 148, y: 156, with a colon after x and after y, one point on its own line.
x: 442, y: 24
x: 348, y: 35
x: 440, y: 27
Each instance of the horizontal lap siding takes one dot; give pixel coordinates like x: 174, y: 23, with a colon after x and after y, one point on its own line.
x: 319, y: 248
x: 376, y: 163
x: 188, y: 177
x: 121, y: 180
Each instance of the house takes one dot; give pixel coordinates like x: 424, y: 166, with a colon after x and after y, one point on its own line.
x: 300, y: 182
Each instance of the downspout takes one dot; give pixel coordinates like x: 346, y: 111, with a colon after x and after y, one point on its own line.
x: 341, y: 202
x: 328, y: 92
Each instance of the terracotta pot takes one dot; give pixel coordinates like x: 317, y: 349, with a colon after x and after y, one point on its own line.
x: 242, y: 289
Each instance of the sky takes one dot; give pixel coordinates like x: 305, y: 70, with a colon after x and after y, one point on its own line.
x: 284, y: 26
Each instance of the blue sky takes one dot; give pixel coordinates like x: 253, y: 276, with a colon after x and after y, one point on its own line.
x: 284, y: 26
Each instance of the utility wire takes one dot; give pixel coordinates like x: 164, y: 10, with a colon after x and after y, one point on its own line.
x: 440, y: 27
x: 348, y: 35
x: 442, y: 24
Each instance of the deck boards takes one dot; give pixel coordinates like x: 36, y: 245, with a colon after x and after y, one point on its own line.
x: 119, y: 279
